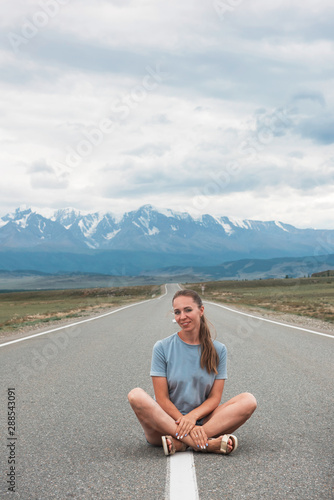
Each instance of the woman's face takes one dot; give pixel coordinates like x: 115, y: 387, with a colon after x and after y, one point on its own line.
x: 187, y: 314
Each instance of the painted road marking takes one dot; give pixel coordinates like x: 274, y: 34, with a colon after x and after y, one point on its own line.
x: 164, y: 295
x: 181, y: 481
x: 73, y: 324
x: 271, y: 321
x: 80, y: 322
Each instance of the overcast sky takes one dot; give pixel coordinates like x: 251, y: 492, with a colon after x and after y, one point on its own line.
x: 222, y: 106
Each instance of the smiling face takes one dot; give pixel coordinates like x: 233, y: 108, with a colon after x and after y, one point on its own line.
x: 188, y: 314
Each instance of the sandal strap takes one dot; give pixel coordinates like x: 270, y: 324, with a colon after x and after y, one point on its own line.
x: 224, y: 443
x: 173, y: 450
x: 164, y: 440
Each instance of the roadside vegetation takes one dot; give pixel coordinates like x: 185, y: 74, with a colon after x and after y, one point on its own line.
x: 312, y: 297
x: 24, y: 309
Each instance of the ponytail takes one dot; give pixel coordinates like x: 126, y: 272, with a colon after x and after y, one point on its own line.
x: 209, y: 356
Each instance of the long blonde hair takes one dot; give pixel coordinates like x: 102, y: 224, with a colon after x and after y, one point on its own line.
x: 209, y: 356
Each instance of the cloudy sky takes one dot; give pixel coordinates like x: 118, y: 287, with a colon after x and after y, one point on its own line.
x: 223, y: 107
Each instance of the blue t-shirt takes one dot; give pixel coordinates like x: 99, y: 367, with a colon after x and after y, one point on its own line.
x: 189, y: 385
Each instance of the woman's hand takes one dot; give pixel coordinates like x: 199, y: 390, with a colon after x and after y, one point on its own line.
x: 199, y: 437
x: 185, y: 425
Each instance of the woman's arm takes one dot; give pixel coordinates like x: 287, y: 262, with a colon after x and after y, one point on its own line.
x: 187, y: 424
x: 160, y: 387
x: 211, y: 403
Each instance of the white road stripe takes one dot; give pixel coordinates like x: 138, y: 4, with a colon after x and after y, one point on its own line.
x: 181, y: 481
x: 181, y: 477
x: 270, y: 320
x: 80, y: 322
x: 73, y: 324
x: 164, y: 295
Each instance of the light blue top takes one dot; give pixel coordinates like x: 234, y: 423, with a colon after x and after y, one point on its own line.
x: 189, y: 385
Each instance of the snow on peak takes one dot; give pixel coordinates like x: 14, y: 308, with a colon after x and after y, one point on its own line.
x: 146, y: 209
x: 167, y: 212
x: 23, y: 221
x: 117, y: 217
x: 64, y: 215
x: 243, y: 223
x: 19, y: 217
x: 151, y: 231
x: 144, y: 222
x: 88, y: 225
x: 111, y: 235
x: 279, y: 224
x: 227, y: 227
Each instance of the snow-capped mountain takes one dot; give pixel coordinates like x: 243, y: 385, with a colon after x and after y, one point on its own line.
x: 92, y: 230
x: 162, y: 233
x: 27, y: 229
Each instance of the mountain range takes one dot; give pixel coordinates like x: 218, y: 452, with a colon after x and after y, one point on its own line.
x: 147, y: 240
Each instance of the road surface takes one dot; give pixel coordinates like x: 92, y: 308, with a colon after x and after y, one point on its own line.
x: 76, y: 436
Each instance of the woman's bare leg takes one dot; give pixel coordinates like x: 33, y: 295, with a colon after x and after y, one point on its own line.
x: 225, y: 419
x: 154, y: 420
x: 228, y: 417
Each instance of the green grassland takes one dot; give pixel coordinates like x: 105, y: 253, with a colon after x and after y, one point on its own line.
x: 22, y: 309
x: 312, y: 297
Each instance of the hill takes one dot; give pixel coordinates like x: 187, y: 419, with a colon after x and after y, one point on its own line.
x: 148, y: 240
x: 322, y: 274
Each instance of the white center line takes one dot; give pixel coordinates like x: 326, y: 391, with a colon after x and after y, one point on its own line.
x: 181, y: 476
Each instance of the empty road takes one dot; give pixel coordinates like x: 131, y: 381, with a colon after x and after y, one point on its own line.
x: 76, y: 437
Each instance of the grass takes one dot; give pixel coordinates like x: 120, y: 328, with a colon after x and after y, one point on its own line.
x: 22, y: 309
x: 311, y: 297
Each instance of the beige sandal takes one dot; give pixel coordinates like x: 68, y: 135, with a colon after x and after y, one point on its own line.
x: 173, y: 450
x: 224, y: 443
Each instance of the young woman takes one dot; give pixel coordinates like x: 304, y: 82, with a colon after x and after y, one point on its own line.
x: 188, y: 372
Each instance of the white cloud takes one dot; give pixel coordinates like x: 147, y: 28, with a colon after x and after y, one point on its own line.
x: 110, y: 105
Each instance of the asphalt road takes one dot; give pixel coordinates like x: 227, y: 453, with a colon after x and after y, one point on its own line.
x: 78, y: 438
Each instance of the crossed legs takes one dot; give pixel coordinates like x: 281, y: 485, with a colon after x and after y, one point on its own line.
x: 225, y: 419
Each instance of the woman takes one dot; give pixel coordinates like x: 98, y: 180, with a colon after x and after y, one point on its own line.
x: 188, y: 372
